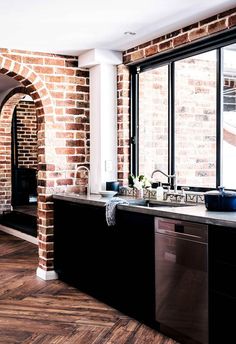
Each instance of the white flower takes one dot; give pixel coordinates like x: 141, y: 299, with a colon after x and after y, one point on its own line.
x: 138, y: 184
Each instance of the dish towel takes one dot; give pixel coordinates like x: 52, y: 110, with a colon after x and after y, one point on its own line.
x: 111, y: 209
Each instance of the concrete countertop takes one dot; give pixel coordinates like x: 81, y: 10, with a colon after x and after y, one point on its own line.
x: 196, y: 213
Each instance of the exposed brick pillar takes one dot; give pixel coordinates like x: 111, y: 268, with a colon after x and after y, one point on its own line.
x: 60, y: 91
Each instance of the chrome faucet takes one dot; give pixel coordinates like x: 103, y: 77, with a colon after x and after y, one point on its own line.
x: 88, y: 172
x: 173, y: 176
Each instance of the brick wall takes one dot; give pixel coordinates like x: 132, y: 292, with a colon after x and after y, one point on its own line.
x: 60, y: 92
x: 180, y: 37
x: 188, y: 34
x: 27, y: 145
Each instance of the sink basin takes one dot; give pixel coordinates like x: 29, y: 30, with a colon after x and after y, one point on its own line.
x: 155, y: 204
x: 168, y: 204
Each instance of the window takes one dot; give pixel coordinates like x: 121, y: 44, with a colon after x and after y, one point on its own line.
x: 153, y: 120
x: 184, y: 115
x: 229, y: 117
x: 195, y: 120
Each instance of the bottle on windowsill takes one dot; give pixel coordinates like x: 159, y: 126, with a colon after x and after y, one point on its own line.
x: 159, y: 192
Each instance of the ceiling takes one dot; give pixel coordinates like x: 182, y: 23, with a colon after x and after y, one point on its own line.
x: 73, y: 26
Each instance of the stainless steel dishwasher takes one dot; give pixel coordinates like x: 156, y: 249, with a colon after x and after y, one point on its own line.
x: 181, y: 279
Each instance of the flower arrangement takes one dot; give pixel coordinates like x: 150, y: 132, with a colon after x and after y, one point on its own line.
x: 139, y: 182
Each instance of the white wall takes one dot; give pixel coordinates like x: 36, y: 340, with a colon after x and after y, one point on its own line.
x: 103, y: 115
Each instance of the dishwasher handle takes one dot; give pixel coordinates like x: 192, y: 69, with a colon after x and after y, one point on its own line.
x: 182, y: 229
x: 179, y: 234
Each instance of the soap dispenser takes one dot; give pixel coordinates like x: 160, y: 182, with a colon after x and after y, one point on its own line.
x: 159, y: 192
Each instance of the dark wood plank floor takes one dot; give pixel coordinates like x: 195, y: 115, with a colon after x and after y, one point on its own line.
x: 33, y: 311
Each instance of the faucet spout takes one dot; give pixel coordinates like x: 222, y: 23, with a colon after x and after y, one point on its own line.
x: 88, y: 173
x: 173, y: 176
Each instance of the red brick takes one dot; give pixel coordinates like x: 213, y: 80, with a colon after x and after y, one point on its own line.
x: 151, y: 50
x: 64, y: 182
x: 198, y: 33
x: 76, y: 159
x: 127, y: 58
x: 74, y: 143
x: 65, y: 151
x: 179, y: 40
x: 137, y: 55
x: 32, y: 60
x: 232, y: 20
x: 217, y: 26
x: 43, y: 70
x: 165, y: 45
x: 65, y: 71
x: 54, y: 62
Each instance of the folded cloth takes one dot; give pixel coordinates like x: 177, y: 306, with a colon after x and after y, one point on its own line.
x: 111, y: 209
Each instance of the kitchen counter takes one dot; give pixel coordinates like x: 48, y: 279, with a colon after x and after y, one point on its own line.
x: 197, y: 213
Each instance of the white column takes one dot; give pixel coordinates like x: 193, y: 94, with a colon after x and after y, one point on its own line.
x: 103, y: 115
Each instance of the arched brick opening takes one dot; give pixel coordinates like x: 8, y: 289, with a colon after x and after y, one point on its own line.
x: 33, y: 85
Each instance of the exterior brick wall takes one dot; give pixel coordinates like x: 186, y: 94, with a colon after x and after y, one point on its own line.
x: 60, y: 92
x: 219, y: 22
x: 27, y: 145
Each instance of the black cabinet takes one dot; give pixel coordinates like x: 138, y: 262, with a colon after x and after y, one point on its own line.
x: 114, y: 264
x: 222, y: 286
x: 82, y: 247
x: 135, y: 264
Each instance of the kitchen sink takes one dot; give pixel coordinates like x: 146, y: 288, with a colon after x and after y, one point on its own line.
x: 155, y: 204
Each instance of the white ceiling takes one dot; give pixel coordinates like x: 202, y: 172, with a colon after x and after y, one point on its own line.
x: 73, y: 26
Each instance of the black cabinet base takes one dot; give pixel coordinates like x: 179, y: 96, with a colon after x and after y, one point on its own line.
x: 113, y: 264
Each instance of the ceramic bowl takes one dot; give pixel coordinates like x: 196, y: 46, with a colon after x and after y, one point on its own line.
x: 107, y: 193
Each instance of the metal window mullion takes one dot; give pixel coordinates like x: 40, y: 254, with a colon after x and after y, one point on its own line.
x: 134, y: 124
x: 171, y: 118
x: 219, y: 114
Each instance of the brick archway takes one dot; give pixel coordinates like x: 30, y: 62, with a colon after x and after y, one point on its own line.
x: 34, y: 86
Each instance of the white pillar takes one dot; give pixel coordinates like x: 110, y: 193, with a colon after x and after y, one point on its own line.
x: 103, y: 115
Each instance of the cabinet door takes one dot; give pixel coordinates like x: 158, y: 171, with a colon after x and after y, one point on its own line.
x: 135, y: 264
x: 222, y: 320
x: 82, y: 246
x: 222, y: 286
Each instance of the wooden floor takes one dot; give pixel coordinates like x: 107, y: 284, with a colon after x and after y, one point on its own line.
x: 33, y: 311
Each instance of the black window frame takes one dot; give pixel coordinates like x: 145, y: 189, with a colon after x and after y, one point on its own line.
x: 215, y: 42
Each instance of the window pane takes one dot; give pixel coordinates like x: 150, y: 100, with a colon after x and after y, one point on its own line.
x: 229, y: 117
x: 195, y: 127
x: 153, y: 121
